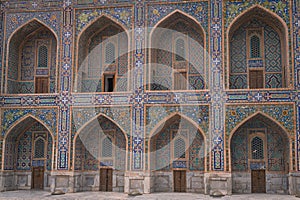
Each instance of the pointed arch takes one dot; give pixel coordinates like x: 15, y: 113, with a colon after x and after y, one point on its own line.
x: 91, y: 121
x: 168, y: 118
x: 258, y: 113
x: 254, y: 115
x: 169, y: 16
x: 103, y: 15
x: 84, y: 39
x: 162, y: 52
x: 24, y: 119
x: 256, y: 9
x: 95, y: 118
x: 33, y: 20
x: 276, y: 23
x: 161, y: 122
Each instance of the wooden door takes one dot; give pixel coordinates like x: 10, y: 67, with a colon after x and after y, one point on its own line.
x: 256, y: 79
x: 258, y: 181
x: 38, y: 178
x: 180, y: 81
x: 179, y: 181
x: 41, y: 85
x: 106, y: 180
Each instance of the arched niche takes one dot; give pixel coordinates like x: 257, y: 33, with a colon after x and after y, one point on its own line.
x: 32, y: 60
x: 102, y: 57
x: 258, y: 51
x: 177, y: 54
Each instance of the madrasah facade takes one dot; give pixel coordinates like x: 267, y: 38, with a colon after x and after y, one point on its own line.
x: 150, y: 96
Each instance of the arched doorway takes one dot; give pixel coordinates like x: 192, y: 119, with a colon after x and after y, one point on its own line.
x: 258, y: 51
x: 177, y: 156
x: 28, y: 155
x: 259, y: 157
x: 177, y: 54
x: 32, y: 60
x: 102, y: 57
x: 100, y: 156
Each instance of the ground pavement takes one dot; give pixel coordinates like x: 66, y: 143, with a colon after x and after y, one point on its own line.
x: 41, y: 195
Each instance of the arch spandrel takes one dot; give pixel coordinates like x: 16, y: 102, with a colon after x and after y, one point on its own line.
x: 12, y: 117
x: 50, y: 20
x: 198, y: 114
x: 120, y: 115
x: 85, y: 18
x: 236, y: 9
x: 283, y: 115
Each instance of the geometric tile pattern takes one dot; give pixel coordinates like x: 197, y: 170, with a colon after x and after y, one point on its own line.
x: 217, y: 88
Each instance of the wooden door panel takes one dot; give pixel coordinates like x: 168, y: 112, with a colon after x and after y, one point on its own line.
x: 106, y: 176
x: 183, y: 181
x: 258, y: 181
x: 102, y: 179
x: 179, y: 181
x: 180, y: 81
x: 176, y: 175
x: 256, y: 79
x: 41, y: 84
x: 109, y: 180
x: 38, y: 177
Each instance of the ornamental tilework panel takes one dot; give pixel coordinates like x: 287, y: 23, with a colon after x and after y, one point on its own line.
x: 234, y: 8
x: 238, y: 54
x: 25, y: 148
x: 15, y: 20
x: 239, y: 151
x: 196, y: 152
x: 89, y: 145
x: 24, y: 152
x: 276, y: 159
x: 163, y: 141
x: 101, y: 2
x: 199, y: 10
x: 13, y: 61
x: 30, y: 5
x: 11, y: 116
x: 9, y: 153
x: 162, y: 151
x: 198, y: 113
x: 283, y: 113
x: 86, y: 17
x: 49, y: 153
x: 272, y: 50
